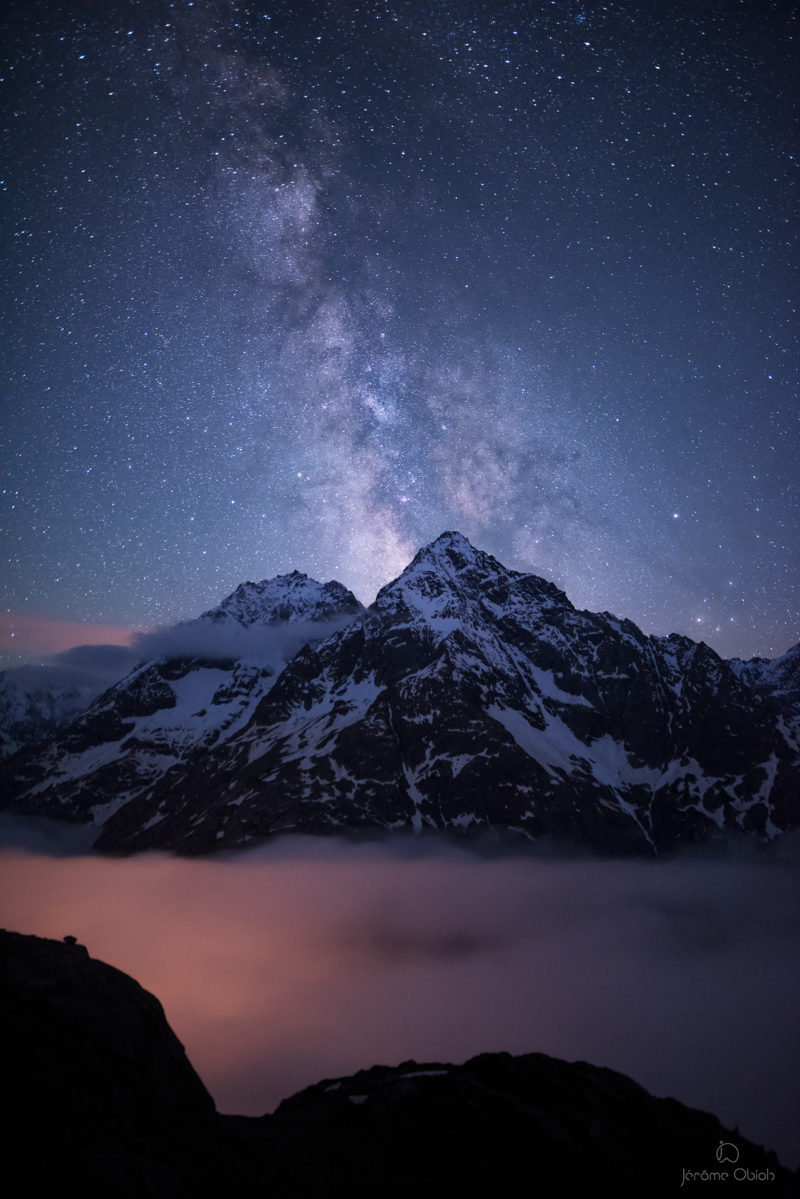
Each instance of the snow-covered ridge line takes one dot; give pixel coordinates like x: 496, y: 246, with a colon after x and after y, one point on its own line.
x: 468, y: 697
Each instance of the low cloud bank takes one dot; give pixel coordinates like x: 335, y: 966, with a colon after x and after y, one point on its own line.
x: 267, y: 645
x: 91, y: 669
x: 87, y: 669
x: 307, y: 960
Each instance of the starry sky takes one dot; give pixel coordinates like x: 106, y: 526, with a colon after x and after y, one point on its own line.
x: 299, y: 285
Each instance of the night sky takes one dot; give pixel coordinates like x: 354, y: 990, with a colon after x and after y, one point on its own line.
x: 301, y: 285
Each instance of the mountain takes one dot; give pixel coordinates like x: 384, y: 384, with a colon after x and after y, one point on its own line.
x: 35, y: 700
x: 105, y: 1102
x: 33, y: 704
x: 776, y: 678
x: 468, y: 697
x: 285, y: 600
x: 201, y: 688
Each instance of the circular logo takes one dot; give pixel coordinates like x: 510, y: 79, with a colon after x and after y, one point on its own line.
x: 727, y: 1152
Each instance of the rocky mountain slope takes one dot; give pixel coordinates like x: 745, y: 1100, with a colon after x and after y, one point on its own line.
x: 102, y: 1100
x: 777, y: 679
x: 33, y: 706
x: 36, y: 701
x: 467, y: 698
x: 201, y: 688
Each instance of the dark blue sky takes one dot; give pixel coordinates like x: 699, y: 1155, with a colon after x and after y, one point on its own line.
x: 301, y: 285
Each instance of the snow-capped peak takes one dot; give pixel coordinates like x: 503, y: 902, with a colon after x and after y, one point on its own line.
x: 468, y: 695
x: 450, y: 579
x: 779, y: 677
x: 286, y: 599
x: 452, y: 552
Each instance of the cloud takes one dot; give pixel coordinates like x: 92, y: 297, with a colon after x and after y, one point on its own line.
x: 85, y: 669
x: 309, y: 959
x: 25, y: 633
x: 97, y: 661
x: 91, y: 669
x: 267, y: 645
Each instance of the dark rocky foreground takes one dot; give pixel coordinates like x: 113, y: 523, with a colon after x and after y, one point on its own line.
x: 102, y: 1100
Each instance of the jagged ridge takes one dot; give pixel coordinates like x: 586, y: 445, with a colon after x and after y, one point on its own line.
x: 202, y: 687
x: 468, y: 697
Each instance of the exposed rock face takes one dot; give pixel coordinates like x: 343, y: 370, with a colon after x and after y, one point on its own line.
x: 469, y: 697
x: 169, y: 710
x: 30, y: 709
x: 102, y: 1101
x: 287, y: 599
x: 472, y: 697
x: 498, y: 1125
x: 778, y: 679
x: 97, y: 1086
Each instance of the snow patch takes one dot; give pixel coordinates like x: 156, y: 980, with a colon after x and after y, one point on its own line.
x: 425, y: 1074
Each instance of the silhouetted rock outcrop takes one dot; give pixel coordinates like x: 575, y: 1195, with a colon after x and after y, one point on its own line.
x: 102, y: 1100
x: 98, y: 1089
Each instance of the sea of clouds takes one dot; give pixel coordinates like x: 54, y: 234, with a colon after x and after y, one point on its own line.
x: 308, y: 959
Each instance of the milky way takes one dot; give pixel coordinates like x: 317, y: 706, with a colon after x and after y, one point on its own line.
x: 301, y: 285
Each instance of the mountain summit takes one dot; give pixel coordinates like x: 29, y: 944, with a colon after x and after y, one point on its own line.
x: 202, y: 685
x: 468, y: 697
x: 286, y: 599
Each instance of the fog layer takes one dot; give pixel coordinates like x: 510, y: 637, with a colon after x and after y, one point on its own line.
x: 309, y: 960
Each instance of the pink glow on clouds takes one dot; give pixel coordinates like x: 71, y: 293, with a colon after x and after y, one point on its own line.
x: 292, y: 964
x: 22, y: 633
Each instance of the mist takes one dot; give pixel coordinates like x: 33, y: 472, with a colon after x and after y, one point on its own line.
x: 310, y: 959
x: 91, y: 669
x: 87, y: 669
x: 265, y: 645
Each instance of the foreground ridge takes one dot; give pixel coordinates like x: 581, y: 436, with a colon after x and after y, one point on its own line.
x: 106, y: 1102
x: 469, y: 699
